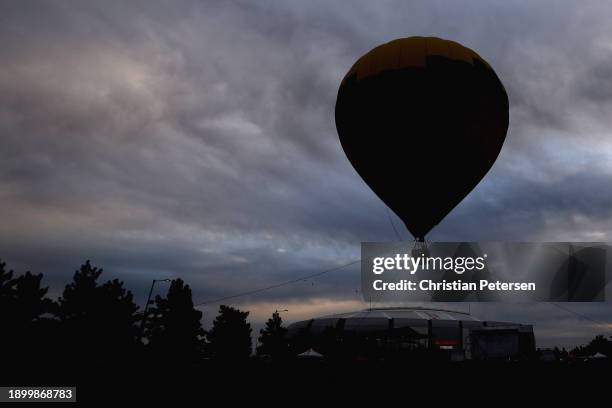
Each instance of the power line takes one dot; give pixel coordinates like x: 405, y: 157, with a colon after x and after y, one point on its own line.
x: 303, y: 278
x: 356, y: 261
x: 278, y: 285
x: 583, y: 316
x: 289, y: 282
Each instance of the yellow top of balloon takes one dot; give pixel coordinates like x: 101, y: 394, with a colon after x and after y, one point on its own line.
x: 410, y: 52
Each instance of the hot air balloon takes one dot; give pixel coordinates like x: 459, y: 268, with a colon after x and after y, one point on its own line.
x: 422, y: 120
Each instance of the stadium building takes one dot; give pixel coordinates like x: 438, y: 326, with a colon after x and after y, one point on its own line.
x: 391, y: 333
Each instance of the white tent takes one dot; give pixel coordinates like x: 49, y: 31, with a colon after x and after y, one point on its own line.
x: 310, y: 353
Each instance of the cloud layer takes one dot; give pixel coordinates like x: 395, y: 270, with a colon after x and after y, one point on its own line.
x: 196, y: 139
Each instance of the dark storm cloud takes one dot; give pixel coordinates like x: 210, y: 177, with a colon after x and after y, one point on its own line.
x: 197, y: 138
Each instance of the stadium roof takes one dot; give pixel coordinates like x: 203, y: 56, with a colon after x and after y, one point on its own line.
x: 405, y: 313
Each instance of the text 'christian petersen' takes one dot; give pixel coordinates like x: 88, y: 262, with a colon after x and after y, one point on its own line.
x: 457, y: 285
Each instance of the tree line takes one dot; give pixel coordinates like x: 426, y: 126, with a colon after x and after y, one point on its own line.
x: 98, y: 324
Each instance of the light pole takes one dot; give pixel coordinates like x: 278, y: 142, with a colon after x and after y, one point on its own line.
x: 144, y: 313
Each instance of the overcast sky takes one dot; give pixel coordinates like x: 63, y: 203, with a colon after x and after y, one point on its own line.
x: 196, y: 139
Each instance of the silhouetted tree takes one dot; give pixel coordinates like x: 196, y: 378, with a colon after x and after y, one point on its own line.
x: 600, y: 345
x: 230, y: 336
x: 78, y: 301
x: 7, y: 302
x: 24, y: 316
x: 564, y: 354
x: 5, y: 278
x: 273, y: 338
x: 173, y: 326
x: 98, y: 321
x: 7, y: 293
x: 22, y: 299
x: 30, y: 298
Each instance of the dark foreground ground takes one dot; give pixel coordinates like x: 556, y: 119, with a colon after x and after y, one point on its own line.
x: 324, y: 383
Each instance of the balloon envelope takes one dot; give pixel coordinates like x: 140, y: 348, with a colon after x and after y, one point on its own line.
x: 422, y: 120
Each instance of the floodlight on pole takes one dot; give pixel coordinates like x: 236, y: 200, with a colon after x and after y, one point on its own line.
x: 146, y: 308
